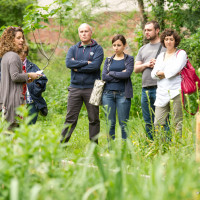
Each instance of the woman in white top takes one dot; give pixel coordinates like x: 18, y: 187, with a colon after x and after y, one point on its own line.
x: 167, y: 71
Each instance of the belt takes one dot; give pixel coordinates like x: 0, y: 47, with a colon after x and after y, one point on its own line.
x: 113, y: 91
x: 150, y: 87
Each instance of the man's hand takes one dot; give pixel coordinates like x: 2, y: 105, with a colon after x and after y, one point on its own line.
x: 152, y: 62
x: 140, y: 67
x: 76, y: 70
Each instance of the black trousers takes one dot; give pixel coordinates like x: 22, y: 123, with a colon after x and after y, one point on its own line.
x: 76, y: 97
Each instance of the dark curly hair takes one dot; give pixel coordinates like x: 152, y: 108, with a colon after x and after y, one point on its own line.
x: 170, y: 32
x: 7, y: 40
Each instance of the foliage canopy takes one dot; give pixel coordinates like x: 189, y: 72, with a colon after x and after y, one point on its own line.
x: 175, y: 13
x: 12, y: 12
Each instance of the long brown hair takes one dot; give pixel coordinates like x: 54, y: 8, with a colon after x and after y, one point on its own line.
x: 7, y: 40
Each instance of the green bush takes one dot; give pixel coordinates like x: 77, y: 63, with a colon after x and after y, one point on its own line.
x: 192, y: 46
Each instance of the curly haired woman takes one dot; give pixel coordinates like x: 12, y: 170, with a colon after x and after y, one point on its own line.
x: 166, y: 71
x: 13, y: 79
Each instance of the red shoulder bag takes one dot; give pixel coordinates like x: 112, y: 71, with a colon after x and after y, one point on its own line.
x: 190, y: 82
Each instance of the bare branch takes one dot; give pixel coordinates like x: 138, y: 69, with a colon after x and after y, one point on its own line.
x: 55, y: 46
x: 41, y: 44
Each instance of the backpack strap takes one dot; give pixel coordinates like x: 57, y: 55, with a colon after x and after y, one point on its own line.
x: 178, y: 52
x: 158, y: 52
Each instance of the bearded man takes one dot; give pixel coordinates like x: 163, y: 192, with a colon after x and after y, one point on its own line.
x: 144, y: 64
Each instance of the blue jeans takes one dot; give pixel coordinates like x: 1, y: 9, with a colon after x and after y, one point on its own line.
x: 148, y: 109
x: 116, y: 101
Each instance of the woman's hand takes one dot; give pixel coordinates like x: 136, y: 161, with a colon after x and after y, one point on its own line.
x: 32, y: 76
x: 160, y: 74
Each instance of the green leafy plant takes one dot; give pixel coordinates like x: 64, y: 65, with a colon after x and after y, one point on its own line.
x: 37, y: 17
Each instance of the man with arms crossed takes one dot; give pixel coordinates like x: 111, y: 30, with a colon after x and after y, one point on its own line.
x: 145, y: 61
x: 84, y: 59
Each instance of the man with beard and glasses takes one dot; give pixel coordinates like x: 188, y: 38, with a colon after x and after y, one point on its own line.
x: 145, y: 62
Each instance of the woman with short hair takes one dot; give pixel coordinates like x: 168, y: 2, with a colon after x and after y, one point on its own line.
x: 167, y: 71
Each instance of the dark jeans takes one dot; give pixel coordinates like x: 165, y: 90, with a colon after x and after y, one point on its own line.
x: 76, y: 97
x: 33, y: 111
x: 148, y: 109
x: 116, y: 101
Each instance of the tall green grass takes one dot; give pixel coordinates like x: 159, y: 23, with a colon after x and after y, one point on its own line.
x: 34, y: 165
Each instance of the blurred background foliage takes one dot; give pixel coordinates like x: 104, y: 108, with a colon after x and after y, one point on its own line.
x: 12, y: 12
x: 33, y: 165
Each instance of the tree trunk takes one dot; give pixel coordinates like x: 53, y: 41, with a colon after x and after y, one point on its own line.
x: 143, y: 15
x: 159, y: 11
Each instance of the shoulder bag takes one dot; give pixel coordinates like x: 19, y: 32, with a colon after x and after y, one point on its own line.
x: 190, y: 82
x: 96, y: 95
